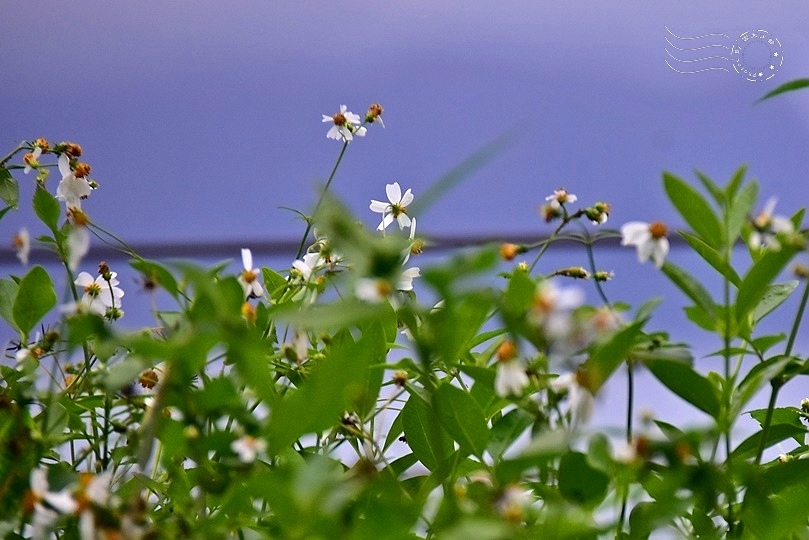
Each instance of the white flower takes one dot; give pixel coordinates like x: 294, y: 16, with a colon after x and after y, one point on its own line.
x: 345, y: 125
x: 99, y: 294
x: 247, y: 448
x: 649, y: 238
x: 561, y: 196
x: 415, y: 245
x: 78, y: 245
x: 510, y: 378
x: 580, y: 400
x: 22, y: 244
x: 514, y: 503
x: 249, y: 277
x: 396, y: 208
x: 71, y: 188
x: 766, y: 226
x: 307, y: 265
x: 95, y: 491
x: 31, y: 160
x: 553, y: 306
x: 47, y: 505
x: 405, y: 281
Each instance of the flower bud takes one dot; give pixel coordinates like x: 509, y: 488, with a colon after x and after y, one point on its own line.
x: 149, y: 378
x: 509, y: 251
x: 374, y: 114
x: 506, y: 351
x: 575, y: 272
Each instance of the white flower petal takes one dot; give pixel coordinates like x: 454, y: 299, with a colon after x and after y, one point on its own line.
x: 394, y: 192
x: 247, y: 259
x: 407, y: 198
x: 379, y: 206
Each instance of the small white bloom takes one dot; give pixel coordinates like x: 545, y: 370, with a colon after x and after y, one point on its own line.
x: 415, y: 245
x: 395, y: 209
x: 345, y: 125
x: 71, y: 189
x: 99, y: 294
x: 249, y: 277
x: 514, y: 503
x: 78, y: 245
x: 48, y: 505
x: 766, y: 226
x: 580, y: 400
x: 561, y: 196
x: 31, y: 160
x: 510, y: 378
x: 22, y: 244
x: 307, y: 265
x: 553, y: 307
x: 248, y: 448
x: 649, y: 238
x: 405, y: 281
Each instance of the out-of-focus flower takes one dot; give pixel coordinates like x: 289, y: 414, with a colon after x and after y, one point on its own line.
x: 598, y: 213
x: 510, y: 378
x: 766, y: 226
x: 74, y: 185
x: 248, y: 448
x: 405, y: 281
x: 22, y: 244
x: 553, y: 306
x: 514, y: 503
x: 552, y: 210
x: 99, y: 294
x: 561, y: 196
x: 345, y: 125
x: 93, y: 493
x: 395, y: 209
x: 78, y: 239
x: 603, y: 275
x: 575, y: 272
x: 46, y: 505
x: 649, y: 238
x: 249, y: 276
x: 580, y: 399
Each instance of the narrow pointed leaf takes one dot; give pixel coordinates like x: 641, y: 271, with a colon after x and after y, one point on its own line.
x: 791, y: 86
x: 681, y: 379
x: 606, y: 358
x: 425, y: 436
x: 754, y: 284
x: 712, y: 257
x: 690, y: 286
x: 741, y: 207
x: 9, y: 188
x: 47, y: 208
x: 694, y: 208
x: 775, y: 295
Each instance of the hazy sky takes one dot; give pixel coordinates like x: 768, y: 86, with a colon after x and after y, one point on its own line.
x: 201, y: 118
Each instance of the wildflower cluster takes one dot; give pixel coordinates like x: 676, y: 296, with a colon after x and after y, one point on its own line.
x: 350, y: 394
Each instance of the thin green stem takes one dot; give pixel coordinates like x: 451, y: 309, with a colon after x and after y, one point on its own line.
x: 777, y: 383
x: 22, y: 146
x: 309, y: 221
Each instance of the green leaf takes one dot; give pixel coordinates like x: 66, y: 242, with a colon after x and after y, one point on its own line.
x: 463, y: 418
x: 791, y: 86
x: 735, y: 182
x: 775, y: 295
x: 9, y: 188
x: 741, y: 207
x: 776, y: 434
x: 158, y: 273
x: 712, y: 257
x: 543, y: 446
x: 754, y: 284
x: 337, y: 383
x: 757, y: 377
x: 47, y: 209
x: 507, y: 429
x: 606, y: 358
x: 425, y: 436
x: 579, y: 482
x: 691, y: 287
x: 274, y: 282
x: 35, y: 298
x: 694, y: 209
x: 8, y: 292
x: 715, y: 191
x: 681, y: 379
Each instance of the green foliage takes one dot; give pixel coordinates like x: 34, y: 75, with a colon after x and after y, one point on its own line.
x: 338, y: 400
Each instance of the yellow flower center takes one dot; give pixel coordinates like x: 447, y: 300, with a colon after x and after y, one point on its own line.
x: 339, y: 119
x: 248, y: 276
x: 93, y: 289
x: 658, y: 230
